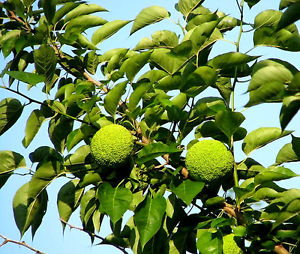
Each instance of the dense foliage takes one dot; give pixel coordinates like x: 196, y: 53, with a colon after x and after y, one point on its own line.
x: 155, y: 91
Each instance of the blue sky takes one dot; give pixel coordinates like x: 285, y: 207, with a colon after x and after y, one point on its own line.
x: 49, y: 237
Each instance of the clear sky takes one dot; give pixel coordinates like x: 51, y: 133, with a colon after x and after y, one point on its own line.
x: 49, y: 237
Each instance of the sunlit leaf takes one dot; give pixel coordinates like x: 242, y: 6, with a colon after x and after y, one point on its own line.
x: 10, y: 161
x: 187, y: 6
x: 83, y: 9
x: 261, y: 137
x: 209, y: 242
x: 186, y: 190
x: 114, y: 201
x: 274, y: 174
x: 107, y: 30
x: 148, y: 217
x: 286, y: 154
x: 287, y: 3
x: 154, y: 150
x: 134, y: 99
x: 148, y: 16
x: 290, y: 107
x: 112, y: 99
x: 267, y: 18
x: 26, y: 77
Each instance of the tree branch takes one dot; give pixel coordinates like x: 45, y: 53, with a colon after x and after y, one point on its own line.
x: 7, y: 240
x: 93, y: 234
x: 279, y: 249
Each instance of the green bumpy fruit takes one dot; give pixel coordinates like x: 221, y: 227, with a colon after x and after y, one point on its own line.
x: 112, y: 146
x: 209, y: 161
x: 230, y: 246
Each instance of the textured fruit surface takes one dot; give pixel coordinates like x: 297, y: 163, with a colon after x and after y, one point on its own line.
x: 230, y: 246
x: 112, y: 146
x: 209, y: 161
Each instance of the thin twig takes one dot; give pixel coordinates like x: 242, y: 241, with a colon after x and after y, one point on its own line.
x: 7, y: 240
x: 93, y: 235
x: 280, y: 249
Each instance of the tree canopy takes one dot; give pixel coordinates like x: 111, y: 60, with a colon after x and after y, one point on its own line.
x: 170, y: 92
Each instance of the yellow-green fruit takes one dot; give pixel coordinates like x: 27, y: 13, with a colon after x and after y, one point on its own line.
x: 112, y: 146
x: 209, y: 161
x: 230, y: 246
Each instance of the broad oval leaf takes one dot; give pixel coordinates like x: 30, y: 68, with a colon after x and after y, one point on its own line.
x: 228, y: 122
x: 209, y: 242
x: 274, y: 174
x: 134, y: 99
x: 114, y: 201
x: 148, y: 16
x: 45, y: 62
x: 148, y: 217
x: 186, y: 190
x: 65, y: 9
x: 290, y: 107
x: 34, y: 122
x: 187, y: 6
x: 261, y: 137
x: 49, y: 7
x: 286, y: 154
x: 107, y: 30
x: 10, y: 111
x: 267, y: 18
x: 68, y: 199
x: 154, y: 150
x: 134, y: 64
x: 291, y: 15
x: 83, y: 9
x: 112, y: 99
x: 231, y: 58
x: 26, y: 77
x: 29, y: 212
x: 287, y: 3
x: 10, y: 161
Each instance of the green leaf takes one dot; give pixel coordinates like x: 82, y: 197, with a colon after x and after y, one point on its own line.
x: 290, y: 107
x: 165, y: 38
x: 287, y: 3
x: 8, y: 41
x: 148, y: 217
x: 141, y: 88
x: 187, y: 6
x: 251, y: 3
x: 34, y: 122
x: 267, y: 18
x: 186, y: 190
x: 49, y: 7
x: 29, y: 212
x: 112, y: 99
x: 46, y: 173
x: 81, y: 23
x: 274, y: 174
x: 209, y: 242
x: 83, y: 9
x: 168, y: 60
x: 45, y: 62
x: 114, y: 201
x: 284, y: 39
x: 68, y: 199
x: 91, y: 61
x: 107, y: 30
x: 26, y: 77
x: 65, y: 9
x: 59, y: 129
x: 10, y: 161
x: 44, y: 153
x: 74, y: 138
x: 261, y: 137
x: 10, y: 111
x: 296, y: 145
x: 268, y: 83
x: 154, y: 150
x: 148, y: 16
x: 290, y: 15
x: 228, y: 122
x: 87, y: 207
x: 230, y: 59
x: 81, y: 156
x: 134, y: 64
x: 286, y: 154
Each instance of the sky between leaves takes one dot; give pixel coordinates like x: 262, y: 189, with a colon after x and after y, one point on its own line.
x: 49, y: 237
